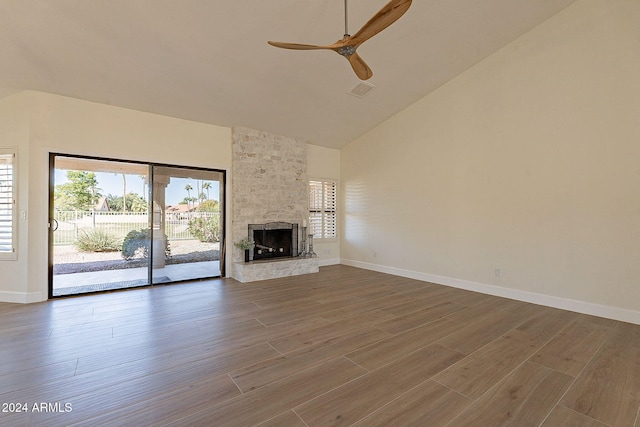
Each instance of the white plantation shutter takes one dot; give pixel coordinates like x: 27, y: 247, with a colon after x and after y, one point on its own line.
x: 322, y: 209
x: 7, y: 204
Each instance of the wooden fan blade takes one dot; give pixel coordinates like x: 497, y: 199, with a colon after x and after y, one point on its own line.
x: 297, y: 46
x: 381, y: 20
x: 360, y: 67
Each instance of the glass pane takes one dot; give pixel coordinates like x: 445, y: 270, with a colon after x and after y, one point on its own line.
x: 187, y: 224
x: 100, y: 225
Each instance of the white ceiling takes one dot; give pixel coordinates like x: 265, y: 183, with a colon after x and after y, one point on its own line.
x: 208, y: 60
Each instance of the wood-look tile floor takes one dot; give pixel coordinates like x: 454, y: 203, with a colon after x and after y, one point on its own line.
x: 341, y: 347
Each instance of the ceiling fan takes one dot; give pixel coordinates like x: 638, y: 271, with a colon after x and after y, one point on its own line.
x: 347, y: 45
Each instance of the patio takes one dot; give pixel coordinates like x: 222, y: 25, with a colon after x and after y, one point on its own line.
x: 79, y: 272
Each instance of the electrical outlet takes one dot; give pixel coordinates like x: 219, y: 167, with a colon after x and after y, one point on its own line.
x: 498, y: 272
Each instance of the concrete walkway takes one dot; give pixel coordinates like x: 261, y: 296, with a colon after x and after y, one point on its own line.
x: 74, y: 283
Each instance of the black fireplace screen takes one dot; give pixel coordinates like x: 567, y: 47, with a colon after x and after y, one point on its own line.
x: 274, y: 239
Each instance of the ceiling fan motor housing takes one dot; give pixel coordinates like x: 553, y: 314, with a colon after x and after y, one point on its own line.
x: 347, y: 50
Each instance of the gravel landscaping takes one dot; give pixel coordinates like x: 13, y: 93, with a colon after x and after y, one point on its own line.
x: 67, y: 259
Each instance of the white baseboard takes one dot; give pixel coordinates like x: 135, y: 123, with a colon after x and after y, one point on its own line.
x: 599, y: 310
x: 22, y: 297
x: 325, y: 262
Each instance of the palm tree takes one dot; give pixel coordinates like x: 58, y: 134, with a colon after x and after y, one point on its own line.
x: 206, y: 186
x: 188, y: 188
x: 144, y: 185
x: 124, y: 193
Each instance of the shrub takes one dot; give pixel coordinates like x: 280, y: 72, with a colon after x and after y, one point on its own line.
x: 138, y: 243
x: 97, y: 241
x: 205, y: 229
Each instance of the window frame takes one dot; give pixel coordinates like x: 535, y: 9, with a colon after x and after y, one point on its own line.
x: 324, y: 211
x: 12, y: 153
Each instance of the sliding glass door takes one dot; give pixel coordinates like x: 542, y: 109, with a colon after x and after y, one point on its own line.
x: 117, y: 224
x: 187, y: 223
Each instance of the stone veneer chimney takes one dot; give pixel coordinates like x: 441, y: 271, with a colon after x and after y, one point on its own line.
x: 269, y: 182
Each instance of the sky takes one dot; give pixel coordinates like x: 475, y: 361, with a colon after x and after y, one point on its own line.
x: 110, y: 183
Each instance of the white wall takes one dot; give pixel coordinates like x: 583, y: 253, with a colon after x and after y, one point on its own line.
x: 14, y: 133
x: 49, y: 123
x: 38, y: 124
x: 324, y: 163
x: 528, y: 162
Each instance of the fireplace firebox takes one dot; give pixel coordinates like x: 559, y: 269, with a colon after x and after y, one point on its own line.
x: 273, y: 240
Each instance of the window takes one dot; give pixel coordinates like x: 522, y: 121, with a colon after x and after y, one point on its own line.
x: 7, y: 204
x: 322, y: 209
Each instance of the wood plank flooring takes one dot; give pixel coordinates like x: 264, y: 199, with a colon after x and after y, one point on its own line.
x: 342, y: 347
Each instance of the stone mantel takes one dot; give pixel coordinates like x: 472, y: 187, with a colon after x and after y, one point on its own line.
x: 273, y: 269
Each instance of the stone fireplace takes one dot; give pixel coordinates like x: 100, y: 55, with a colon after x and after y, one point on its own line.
x: 269, y: 192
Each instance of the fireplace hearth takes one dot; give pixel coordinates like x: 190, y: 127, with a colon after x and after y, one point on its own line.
x: 273, y: 240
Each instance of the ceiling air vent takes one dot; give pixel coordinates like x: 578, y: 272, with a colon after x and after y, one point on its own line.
x: 361, y: 89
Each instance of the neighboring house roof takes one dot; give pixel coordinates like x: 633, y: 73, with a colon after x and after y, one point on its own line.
x: 181, y: 208
x: 102, y: 205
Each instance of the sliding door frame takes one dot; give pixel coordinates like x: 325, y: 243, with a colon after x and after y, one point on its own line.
x: 151, y: 167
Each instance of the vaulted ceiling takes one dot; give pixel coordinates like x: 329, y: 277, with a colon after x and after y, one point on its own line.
x: 209, y: 61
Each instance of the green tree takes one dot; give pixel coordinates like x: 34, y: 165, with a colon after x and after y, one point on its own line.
x: 114, y: 202
x: 137, y: 203
x: 134, y: 203
x: 81, y: 192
